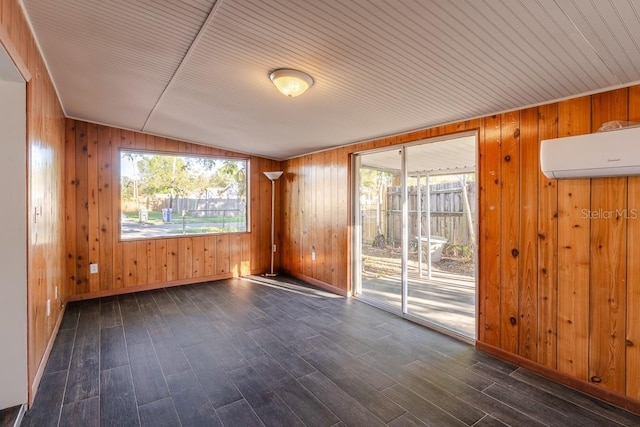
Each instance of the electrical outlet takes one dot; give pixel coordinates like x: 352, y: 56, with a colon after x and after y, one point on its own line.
x: 56, y: 292
x: 313, y: 255
x: 48, y: 307
x: 93, y: 268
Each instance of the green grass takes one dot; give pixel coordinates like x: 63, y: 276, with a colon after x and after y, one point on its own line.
x: 156, y: 219
x: 203, y: 230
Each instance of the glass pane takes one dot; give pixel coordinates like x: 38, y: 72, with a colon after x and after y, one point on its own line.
x: 442, y: 190
x: 381, y: 215
x: 167, y: 195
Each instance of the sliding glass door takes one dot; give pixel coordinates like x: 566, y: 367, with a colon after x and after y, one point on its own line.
x: 415, y: 232
x: 380, y: 205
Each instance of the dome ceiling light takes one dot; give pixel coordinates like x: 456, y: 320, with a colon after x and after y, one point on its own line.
x: 291, y: 83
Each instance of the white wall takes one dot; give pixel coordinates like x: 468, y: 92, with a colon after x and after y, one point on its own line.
x: 13, y: 236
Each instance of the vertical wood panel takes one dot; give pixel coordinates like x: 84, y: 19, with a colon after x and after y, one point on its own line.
x: 153, y: 270
x: 82, y: 210
x: 70, y: 206
x: 235, y: 254
x: 547, y: 248
x: 528, y: 257
x: 309, y: 225
x: 245, y: 263
x: 343, y: 221
x: 633, y: 267
x: 160, y: 264
x: 117, y: 140
x: 141, y: 263
x: 286, y: 220
x: 607, y: 280
x: 92, y: 197
x: 264, y: 207
x: 105, y: 210
x: 298, y: 211
x: 172, y: 259
x: 573, y: 251
x: 489, y: 257
x: 210, y: 255
x: 185, y: 258
x: 257, y: 214
x: 509, y: 231
x: 335, y: 255
x: 608, y: 259
x: 129, y: 264
x: 198, y: 257
x: 222, y: 254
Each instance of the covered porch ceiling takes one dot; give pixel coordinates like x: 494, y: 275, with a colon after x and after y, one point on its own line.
x: 431, y: 156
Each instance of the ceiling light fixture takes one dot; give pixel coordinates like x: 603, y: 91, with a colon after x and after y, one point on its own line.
x: 291, y: 82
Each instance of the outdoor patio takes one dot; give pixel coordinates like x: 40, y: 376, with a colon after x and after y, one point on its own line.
x: 446, y: 299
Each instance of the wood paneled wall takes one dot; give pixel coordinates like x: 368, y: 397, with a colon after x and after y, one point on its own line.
x: 557, y: 290
x: 93, y: 213
x: 45, y: 155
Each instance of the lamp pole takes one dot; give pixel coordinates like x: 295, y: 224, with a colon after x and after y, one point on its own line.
x: 273, y: 176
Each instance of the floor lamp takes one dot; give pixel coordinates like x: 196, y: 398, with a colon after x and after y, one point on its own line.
x: 273, y: 176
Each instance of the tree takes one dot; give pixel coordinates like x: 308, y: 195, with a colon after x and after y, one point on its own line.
x: 226, y: 174
x: 162, y: 174
x: 127, y: 186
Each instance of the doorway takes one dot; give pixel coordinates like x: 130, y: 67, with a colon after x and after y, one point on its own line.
x: 415, y: 247
x: 13, y: 228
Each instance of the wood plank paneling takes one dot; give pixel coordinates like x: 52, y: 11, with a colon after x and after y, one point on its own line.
x: 210, y: 255
x: 574, y: 118
x: 489, y: 257
x: 172, y: 259
x: 547, y: 248
x: 222, y: 254
x: 587, y: 313
x: 152, y: 262
x: 46, y: 183
x: 82, y: 212
x: 130, y: 264
x: 185, y: 258
x: 633, y: 267
x: 607, y: 282
x: 197, y: 262
x: 608, y: 263
x: 509, y: 230
x: 105, y: 208
x: 565, y: 318
x: 141, y: 263
x: 70, y: 204
x: 160, y: 264
x: 90, y: 151
x: 153, y: 272
x: 528, y: 257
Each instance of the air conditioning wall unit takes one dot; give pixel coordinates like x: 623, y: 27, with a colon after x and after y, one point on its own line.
x: 611, y: 153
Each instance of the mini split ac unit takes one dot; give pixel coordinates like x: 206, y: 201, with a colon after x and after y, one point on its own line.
x: 611, y: 153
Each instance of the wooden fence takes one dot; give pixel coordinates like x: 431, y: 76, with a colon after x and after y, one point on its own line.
x: 448, y: 216
x: 212, y: 207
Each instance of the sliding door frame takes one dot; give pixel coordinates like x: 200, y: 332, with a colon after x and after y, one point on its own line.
x: 356, y: 234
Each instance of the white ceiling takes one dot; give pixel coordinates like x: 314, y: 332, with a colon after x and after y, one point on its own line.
x: 197, y: 70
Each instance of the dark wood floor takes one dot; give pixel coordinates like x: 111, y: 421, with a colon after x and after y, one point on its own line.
x: 239, y: 353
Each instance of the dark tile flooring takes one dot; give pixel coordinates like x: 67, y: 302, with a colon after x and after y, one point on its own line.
x: 241, y: 353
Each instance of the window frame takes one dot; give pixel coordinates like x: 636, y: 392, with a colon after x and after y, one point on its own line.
x: 247, y: 197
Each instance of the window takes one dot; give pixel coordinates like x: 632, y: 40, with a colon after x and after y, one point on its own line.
x: 170, y: 195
